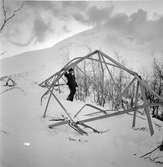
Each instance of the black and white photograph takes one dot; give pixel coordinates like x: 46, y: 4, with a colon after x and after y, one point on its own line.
x: 81, y: 83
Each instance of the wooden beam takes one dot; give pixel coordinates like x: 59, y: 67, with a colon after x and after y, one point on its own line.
x: 82, y: 72
x: 109, y: 71
x: 102, y: 78
x: 90, y: 105
x: 136, y: 100
x: 127, y: 87
x: 118, y: 64
x: 47, y: 104
x: 78, y: 59
x: 50, y: 89
x: 110, y: 76
x: 90, y: 58
x: 71, y: 65
x: 67, y: 66
x: 62, y: 107
x: 99, y: 117
x: 146, y: 109
x: 47, y: 90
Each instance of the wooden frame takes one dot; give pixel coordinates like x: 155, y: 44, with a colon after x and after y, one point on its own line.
x: 102, y: 57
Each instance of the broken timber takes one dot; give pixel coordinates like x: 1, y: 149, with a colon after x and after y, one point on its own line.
x: 100, y: 117
x: 141, y: 87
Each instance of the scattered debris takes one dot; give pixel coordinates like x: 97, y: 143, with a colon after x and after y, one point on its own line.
x: 100, y: 57
x: 141, y: 129
x: 10, y: 82
x: 148, y: 155
x: 7, y: 81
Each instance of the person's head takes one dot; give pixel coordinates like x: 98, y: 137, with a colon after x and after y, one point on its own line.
x: 71, y: 70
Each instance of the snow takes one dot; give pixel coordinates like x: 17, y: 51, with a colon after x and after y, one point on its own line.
x: 29, y: 142
x: 26, y: 140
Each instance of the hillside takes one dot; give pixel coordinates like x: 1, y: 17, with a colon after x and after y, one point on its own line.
x: 118, y: 45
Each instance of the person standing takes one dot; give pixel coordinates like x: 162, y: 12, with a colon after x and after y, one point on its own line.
x: 71, y: 82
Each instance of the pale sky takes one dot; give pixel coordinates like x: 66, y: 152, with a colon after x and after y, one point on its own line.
x: 42, y: 24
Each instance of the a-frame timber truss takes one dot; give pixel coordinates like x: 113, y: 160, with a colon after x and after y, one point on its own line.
x: 105, y: 61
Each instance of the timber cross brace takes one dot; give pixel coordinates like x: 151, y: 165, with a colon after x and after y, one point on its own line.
x: 104, y: 62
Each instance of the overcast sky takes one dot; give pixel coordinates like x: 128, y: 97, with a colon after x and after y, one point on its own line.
x: 41, y: 24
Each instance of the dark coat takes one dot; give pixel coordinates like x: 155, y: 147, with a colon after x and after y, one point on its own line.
x: 71, y: 80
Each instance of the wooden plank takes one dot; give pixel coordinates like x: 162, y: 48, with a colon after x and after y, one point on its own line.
x: 123, y: 92
x: 47, y: 104
x: 89, y: 105
x: 110, y: 76
x: 79, y: 59
x: 109, y: 71
x: 71, y: 65
x: 53, y: 83
x: 83, y: 72
x: 146, y: 109
x: 99, y: 117
x: 125, y: 89
x: 90, y: 58
x: 62, y: 107
x: 136, y: 100
x: 102, y: 78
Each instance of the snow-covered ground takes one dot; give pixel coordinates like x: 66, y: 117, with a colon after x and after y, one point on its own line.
x: 26, y: 140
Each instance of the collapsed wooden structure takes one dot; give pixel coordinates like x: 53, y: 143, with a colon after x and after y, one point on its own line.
x: 105, y: 61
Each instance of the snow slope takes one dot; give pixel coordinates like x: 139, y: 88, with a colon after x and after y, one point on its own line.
x: 39, y: 64
x: 118, y: 45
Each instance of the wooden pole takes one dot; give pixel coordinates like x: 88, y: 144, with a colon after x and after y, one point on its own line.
x: 70, y: 64
x: 100, y: 117
x: 114, y: 81
x: 50, y: 89
x: 136, y: 100
x: 79, y: 59
x: 62, y: 107
x: 124, y: 91
x: 40, y: 84
x: 94, y: 80
x: 102, y: 79
x: 111, y: 78
x: 146, y: 109
x: 106, y: 115
x: 90, y: 105
x: 54, y: 82
x: 90, y: 58
x: 47, y: 104
x: 118, y: 64
x: 108, y: 70
x: 59, y: 87
x: 82, y: 72
x: 85, y: 81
